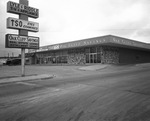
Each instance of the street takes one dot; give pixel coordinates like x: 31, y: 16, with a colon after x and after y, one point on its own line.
x: 113, y: 93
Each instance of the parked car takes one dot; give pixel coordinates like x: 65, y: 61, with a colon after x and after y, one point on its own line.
x: 13, y: 62
x: 3, y: 61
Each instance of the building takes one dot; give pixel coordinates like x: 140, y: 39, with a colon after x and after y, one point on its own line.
x: 105, y: 49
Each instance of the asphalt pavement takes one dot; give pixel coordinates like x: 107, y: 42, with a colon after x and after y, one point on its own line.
x: 113, y: 93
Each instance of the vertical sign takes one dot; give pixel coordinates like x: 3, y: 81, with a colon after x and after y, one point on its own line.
x: 22, y: 40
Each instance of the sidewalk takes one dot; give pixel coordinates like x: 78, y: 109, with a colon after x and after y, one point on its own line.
x: 94, y: 67
x: 26, y: 78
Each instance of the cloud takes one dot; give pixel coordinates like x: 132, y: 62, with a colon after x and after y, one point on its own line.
x: 68, y: 20
x: 78, y: 19
x: 144, y: 32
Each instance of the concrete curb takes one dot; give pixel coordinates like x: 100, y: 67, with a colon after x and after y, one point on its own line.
x: 26, y: 78
x: 93, y: 67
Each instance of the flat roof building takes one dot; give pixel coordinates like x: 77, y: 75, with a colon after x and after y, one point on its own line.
x: 105, y: 49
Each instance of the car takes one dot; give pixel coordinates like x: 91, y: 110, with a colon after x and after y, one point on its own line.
x: 11, y: 62
x: 3, y: 62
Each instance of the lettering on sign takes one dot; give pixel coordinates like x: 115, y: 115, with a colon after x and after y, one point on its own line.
x: 16, y: 41
x: 42, y: 49
x: 53, y: 47
x: 16, y: 8
x: 56, y: 47
x: 14, y: 23
x: 31, y: 51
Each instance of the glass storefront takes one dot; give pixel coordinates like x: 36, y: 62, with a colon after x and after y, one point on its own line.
x: 93, y: 58
x: 79, y: 55
x: 93, y: 55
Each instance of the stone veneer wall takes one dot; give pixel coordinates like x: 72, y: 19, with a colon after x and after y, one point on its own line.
x: 110, y: 55
x: 77, y: 58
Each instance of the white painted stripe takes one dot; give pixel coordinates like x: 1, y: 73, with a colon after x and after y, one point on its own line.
x: 25, y: 83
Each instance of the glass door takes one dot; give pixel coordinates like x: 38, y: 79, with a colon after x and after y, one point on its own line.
x: 91, y: 58
x: 95, y: 58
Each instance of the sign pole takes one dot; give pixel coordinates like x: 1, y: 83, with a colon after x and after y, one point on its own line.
x: 22, y: 40
x: 24, y: 33
x: 23, y: 61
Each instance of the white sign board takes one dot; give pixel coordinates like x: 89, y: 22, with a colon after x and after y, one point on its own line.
x: 14, y: 23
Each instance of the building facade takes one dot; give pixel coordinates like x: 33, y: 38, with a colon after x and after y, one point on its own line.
x: 105, y: 49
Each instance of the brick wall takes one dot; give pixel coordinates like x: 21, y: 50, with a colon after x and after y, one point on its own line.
x: 110, y: 55
x: 78, y: 58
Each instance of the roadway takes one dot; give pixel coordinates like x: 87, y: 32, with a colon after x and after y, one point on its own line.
x: 115, y: 93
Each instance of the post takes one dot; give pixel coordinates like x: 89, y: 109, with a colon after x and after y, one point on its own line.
x: 22, y: 40
x: 23, y: 33
x: 23, y: 61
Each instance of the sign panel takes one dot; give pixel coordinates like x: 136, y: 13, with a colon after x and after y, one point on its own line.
x: 16, y: 41
x: 16, y: 8
x: 31, y: 51
x: 14, y: 23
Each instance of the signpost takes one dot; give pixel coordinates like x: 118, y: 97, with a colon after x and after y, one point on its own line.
x: 22, y: 24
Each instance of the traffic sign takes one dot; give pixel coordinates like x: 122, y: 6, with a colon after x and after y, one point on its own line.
x: 14, y: 23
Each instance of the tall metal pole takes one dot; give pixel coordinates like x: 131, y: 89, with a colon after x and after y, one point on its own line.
x: 22, y: 62
x: 23, y: 33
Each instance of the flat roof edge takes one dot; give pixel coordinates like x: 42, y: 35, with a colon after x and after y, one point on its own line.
x: 96, y: 41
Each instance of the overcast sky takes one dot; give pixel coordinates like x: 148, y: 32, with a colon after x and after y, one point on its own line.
x: 69, y: 20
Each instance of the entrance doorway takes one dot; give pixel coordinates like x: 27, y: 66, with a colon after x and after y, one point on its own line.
x: 93, y: 58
